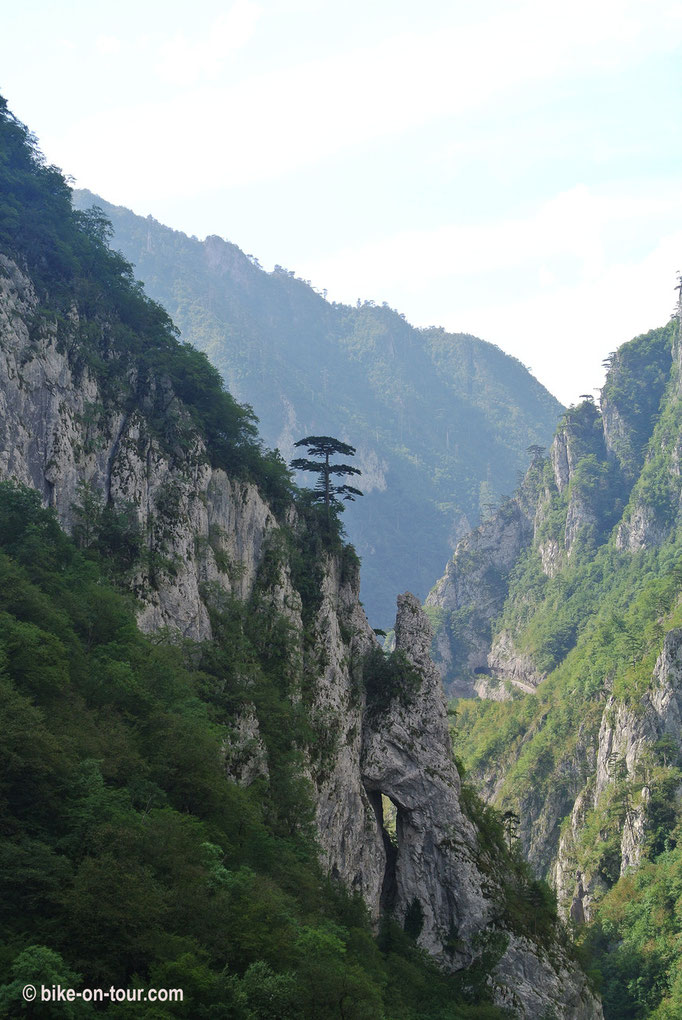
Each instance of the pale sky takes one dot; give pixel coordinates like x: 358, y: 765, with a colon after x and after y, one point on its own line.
x: 510, y: 169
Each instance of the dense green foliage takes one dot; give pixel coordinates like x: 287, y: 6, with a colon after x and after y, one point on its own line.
x: 389, y: 677
x: 638, y: 372
x: 121, y: 335
x: 635, y: 940
x: 441, y: 421
x: 596, y: 628
x: 128, y: 856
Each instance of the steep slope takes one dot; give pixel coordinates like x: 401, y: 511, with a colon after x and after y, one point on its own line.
x: 441, y: 421
x: 563, y: 612
x: 212, y: 777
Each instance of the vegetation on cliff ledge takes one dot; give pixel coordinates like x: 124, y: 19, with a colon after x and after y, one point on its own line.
x: 88, y: 292
x: 130, y: 854
x: 596, y: 624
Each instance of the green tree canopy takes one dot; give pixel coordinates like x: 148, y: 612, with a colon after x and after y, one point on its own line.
x: 325, y: 490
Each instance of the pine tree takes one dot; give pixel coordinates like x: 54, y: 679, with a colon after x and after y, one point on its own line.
x: 325, y: 490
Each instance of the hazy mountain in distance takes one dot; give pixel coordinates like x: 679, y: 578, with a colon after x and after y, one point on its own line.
x: 441, y: 421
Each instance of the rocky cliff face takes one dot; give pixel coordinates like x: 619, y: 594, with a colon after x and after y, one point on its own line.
x: 307, y: 366
x: 588, y: 759
x: 554, y: 512
x: 59, y: 431
x: 628, y: 750
x: 471, y: 594
x: 407, y: 757
x: 209, y: 536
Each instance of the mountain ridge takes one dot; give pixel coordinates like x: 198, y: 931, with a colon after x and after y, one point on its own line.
x: 441, y: 422
x: 563, y: 614
x: 200, y: 724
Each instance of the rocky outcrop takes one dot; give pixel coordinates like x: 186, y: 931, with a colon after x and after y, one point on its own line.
x: 580, y: 434
x: 635, y: 384
x: 531, y: 985
x: 625, y: 759
x: 618, y: 436
x: 471, y: 594
x: 407, y: 757
x: 246, y: 757
x: 563, y: 457
x: 508, y: 665
x: 628, y: 732
x: 640, y: 530
x: 349, y: 833
x: 581, y: 519
x: 58, y: 432
x: 554, y: 512
x: 576, y: 890
x: 209, y: 537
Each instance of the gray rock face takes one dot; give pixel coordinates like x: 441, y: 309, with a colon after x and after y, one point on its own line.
x: 551, y: 556
x: 576, y: 891
x: 640, y: 530
x: 472, y: 593
x: 509, y: 665
x: 627, y: 736
x: 246, y: 757
x: 407, y: 756
x: 533, y: 986
x: 580, y: 433
x: 58, y: 431
x: 617, y: 436
x: 350, y: 836
x: 563, y: 457
x: 580, y: 517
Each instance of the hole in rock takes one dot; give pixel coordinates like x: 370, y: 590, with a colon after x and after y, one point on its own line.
x: 389, y: 821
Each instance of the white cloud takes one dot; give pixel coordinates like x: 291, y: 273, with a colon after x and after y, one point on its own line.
x: 108, y: 44
x: 602, y: 299
x: 577, y: 223
x: 564, y: 335
x: 183, y: 61
x: 264, y: 126
x: 599, y: 266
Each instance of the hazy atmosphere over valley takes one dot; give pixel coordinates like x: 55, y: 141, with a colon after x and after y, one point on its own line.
x: 506, y: 170
x: 341, y: 511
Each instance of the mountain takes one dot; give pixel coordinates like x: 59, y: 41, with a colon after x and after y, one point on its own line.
x: 563, y: 612
x: 213, y: 778
x: 441, y: 422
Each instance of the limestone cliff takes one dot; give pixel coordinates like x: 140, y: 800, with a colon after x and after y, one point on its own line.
x: 210, y: 537
x: 583, y: 643
x: 631, y: 748
x: 407, y: 757
x: 471, y: 594
x: 58, y: 431
x: 557, y: 512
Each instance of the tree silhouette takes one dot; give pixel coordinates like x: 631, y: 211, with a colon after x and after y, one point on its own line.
x: 510, y: 824
x: 325, y: 490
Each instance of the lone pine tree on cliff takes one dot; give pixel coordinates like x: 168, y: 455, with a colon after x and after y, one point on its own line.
x: 326, y: 490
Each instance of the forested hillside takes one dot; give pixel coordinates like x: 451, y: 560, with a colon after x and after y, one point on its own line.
x: 199, y: 727
x: 564, y: 614
x: 442, y: 422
